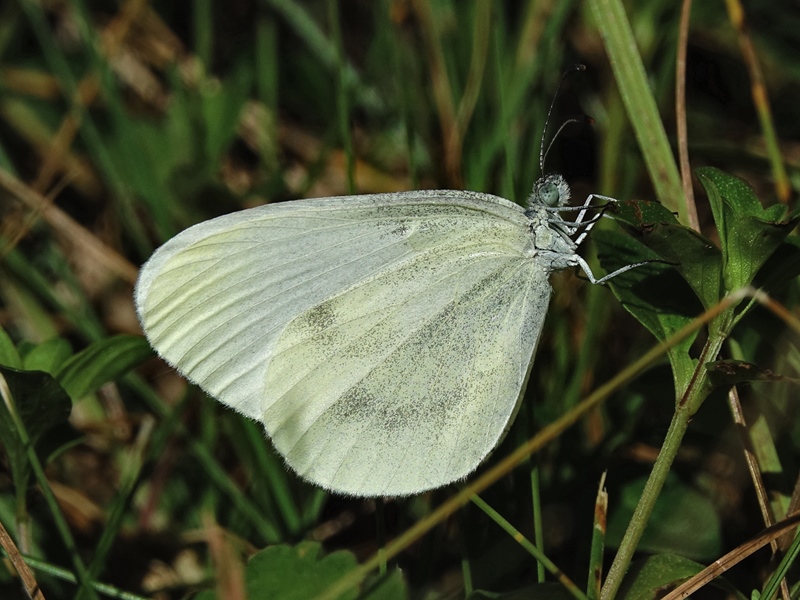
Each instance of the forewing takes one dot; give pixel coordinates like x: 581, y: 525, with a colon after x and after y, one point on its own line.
x: 214, y: 299
x: 407, y: 380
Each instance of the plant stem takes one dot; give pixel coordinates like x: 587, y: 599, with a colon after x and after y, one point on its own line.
x: 684, y: 411
x: 636, y: 527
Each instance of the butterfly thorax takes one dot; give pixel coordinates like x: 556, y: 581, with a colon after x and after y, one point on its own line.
x: 552, y: 237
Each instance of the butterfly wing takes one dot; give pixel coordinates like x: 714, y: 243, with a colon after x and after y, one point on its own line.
x: 383, y: 340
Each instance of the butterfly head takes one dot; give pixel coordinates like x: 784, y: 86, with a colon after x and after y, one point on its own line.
x: 550, y: 190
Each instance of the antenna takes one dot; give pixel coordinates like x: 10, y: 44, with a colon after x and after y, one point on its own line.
x: 542, y: 151
x: 585, y: 119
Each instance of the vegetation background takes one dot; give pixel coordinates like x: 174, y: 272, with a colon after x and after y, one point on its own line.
x: 122, y: 123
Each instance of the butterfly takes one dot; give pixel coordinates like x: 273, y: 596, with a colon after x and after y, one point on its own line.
x: 383, y: 340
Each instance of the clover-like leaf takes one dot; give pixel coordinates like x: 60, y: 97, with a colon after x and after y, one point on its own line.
x: 304, y: 571
x: 683, y: 521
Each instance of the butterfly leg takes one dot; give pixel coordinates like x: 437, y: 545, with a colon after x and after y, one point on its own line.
x: 587, y: 204
x: 579, y: 262
x: 591, y: 222
x: 572, y: 227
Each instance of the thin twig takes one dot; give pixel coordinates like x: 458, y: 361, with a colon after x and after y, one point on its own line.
x: 732, y: 558
x: 73, y: 232
x: 680, y: 116
x: 25, y: 574
x: 755, y: 472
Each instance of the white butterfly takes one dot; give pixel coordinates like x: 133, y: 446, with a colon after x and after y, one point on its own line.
x: 383, y: 340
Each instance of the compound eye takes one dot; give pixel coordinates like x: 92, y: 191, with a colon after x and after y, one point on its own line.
x: 548, y: 194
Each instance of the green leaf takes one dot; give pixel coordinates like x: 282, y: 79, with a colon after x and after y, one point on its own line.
x: 101, y: 362
x: 652, y: 577
x: 41, y: 404
x: 683, y: 521
x: 8, y: 353
x: 749, y: 234
x: 649, y: 578
x: 696, y: 258
x: 654, y: 294
x: 641, y: 214
x: 47, y: 356
x: 296, y: 572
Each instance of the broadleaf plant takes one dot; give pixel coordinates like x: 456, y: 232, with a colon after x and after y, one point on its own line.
x: 749, y: 235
